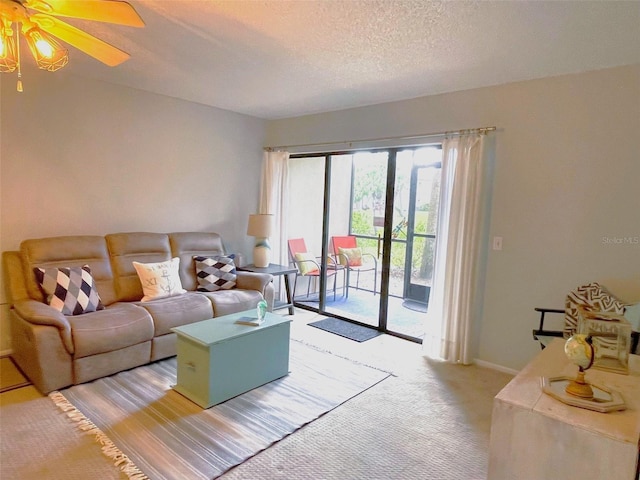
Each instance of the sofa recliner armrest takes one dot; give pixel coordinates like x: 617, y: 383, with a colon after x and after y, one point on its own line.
x: 253, y: 281
x: 40, y: 313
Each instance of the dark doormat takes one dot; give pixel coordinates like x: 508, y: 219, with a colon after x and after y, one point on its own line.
x: 346, y: 329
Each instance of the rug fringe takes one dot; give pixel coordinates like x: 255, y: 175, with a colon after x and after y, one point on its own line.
x: 109, y: 449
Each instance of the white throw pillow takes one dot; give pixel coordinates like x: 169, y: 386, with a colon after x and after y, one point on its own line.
x: 159, y: 279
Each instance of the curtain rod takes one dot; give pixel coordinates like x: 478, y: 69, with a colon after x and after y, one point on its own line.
x: 481, y: 130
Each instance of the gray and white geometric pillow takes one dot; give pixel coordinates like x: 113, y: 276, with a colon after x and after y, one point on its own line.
x: 215, y: 273
x: 71, y: 291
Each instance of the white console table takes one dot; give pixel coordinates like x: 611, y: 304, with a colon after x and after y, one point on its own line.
x: 536, y: 437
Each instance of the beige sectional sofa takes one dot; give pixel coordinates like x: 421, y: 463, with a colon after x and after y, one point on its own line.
x: 56, y: 350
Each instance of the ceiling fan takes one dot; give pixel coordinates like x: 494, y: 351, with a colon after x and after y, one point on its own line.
x: 36, y: 20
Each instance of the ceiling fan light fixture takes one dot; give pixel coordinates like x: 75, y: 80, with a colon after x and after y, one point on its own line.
x: 48, y: 53
x: 8, y: 55
x: 36, y: 20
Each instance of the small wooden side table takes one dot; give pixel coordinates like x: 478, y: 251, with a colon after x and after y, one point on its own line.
x: 275, y: 270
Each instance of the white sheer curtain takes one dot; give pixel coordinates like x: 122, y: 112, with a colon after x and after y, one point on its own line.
x: 455, y: 301
x: 274, y: 199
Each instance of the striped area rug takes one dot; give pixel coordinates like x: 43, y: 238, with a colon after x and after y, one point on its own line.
x: 151, y: 431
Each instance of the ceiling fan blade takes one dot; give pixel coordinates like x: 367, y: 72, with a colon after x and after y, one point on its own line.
x: 110, y: 11
x: 98, y: 49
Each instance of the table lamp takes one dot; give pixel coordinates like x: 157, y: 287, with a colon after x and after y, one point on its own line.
x: 260, y: 226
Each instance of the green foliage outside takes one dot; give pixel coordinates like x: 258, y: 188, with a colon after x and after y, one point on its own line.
x: 362, y: 224
x: 368, y: 196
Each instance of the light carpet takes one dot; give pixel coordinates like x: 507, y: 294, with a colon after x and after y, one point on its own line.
x: 151, y: 431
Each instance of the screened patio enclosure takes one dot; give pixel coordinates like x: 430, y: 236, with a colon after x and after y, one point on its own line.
x: 386, y: 201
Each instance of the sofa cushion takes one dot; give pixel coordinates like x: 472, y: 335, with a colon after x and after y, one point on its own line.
x: 164, y: 346
x: 70, y: 290
x: 117, y: 326
x: 175, y: 311
x: 186, y: 245
x: 215, y: 273
x: 226, y: 302
x: 69, y: 251
x: 89, y: 368
x: 126, y: 248
x: 160, y: 279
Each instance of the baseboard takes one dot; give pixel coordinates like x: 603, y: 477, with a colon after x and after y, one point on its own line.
x: 493, y: 366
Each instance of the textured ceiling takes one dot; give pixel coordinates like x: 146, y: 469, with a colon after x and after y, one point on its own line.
x: 275, y: 59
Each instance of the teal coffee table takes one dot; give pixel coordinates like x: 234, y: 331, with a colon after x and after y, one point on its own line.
x: 219, y: 359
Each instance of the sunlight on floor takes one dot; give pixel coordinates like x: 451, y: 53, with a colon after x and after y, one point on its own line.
x: 384, y: 351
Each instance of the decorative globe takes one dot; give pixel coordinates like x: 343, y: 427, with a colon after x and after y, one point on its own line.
x: 579, y: 351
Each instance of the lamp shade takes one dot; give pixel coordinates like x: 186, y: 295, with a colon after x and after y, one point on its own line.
x: 260, y: 225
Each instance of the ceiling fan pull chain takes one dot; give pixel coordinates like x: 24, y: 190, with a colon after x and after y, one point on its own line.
x: 19, y: 84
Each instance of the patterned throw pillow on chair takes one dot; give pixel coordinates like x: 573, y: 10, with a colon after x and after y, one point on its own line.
x: 307, y: 263
x: 70, y: 290
x: 351, y: 255
x: 215, y: 273
x: 592, y: 298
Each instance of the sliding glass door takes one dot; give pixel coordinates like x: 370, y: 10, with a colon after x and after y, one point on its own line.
x: 305, y: 227
x: 356, y: 226
x: 413, y: 238
x: 368, y: 218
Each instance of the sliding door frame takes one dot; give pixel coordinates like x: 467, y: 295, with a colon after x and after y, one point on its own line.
x: 386, y: 242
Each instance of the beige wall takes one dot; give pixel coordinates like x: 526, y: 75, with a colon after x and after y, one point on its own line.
x: 79, y: 156
x: 565, y: 186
